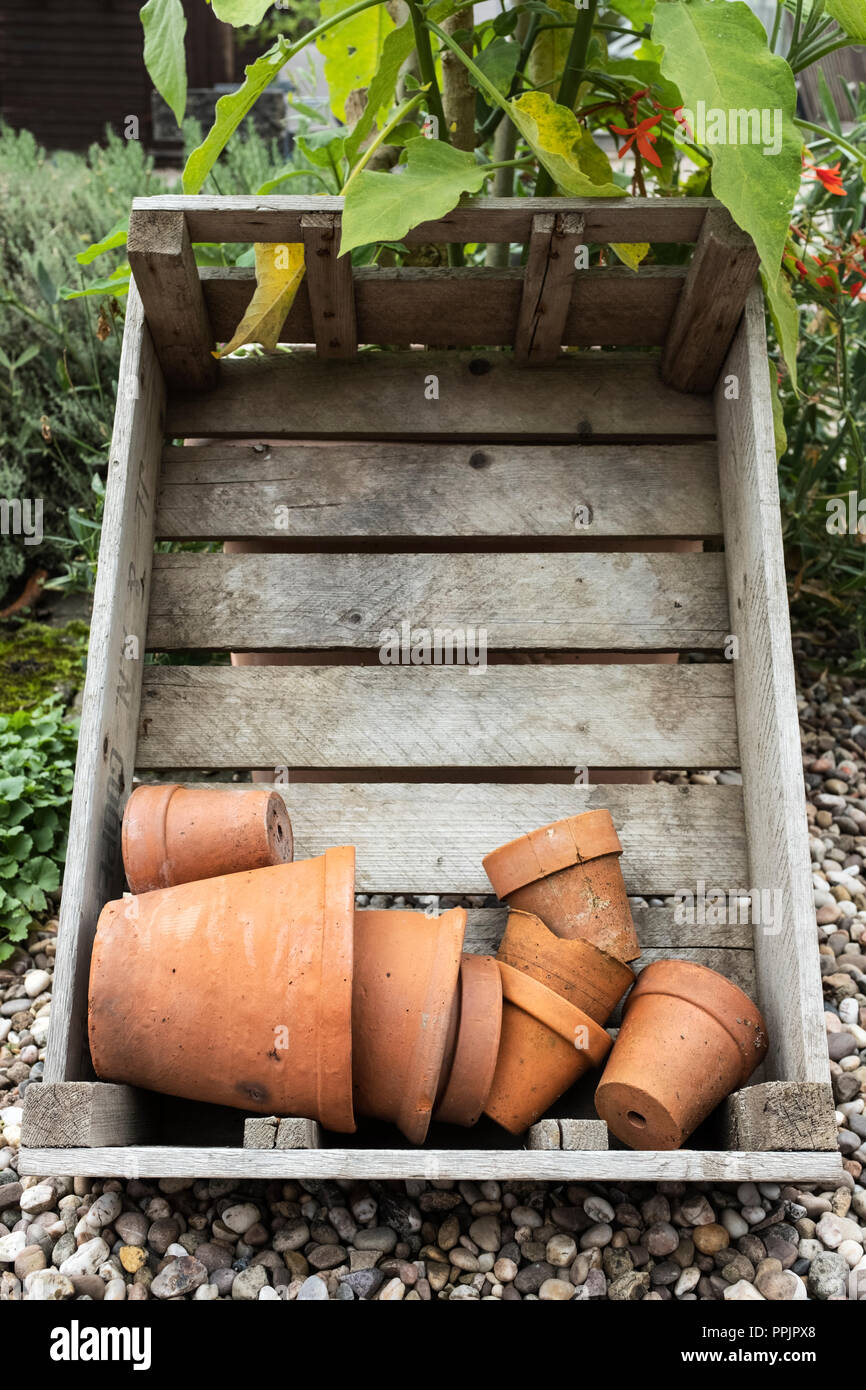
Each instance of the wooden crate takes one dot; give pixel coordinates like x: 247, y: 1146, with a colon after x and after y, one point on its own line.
x: 530, y: 491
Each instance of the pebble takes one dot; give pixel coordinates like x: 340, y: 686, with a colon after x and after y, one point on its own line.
x: 312, y: 1289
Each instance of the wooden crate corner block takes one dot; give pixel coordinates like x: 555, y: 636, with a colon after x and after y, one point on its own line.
x: 163, y: 266
x: 795, y: 1115
x: 271, y: 1132
x: 85, y: 1114
x: 568, y: 1134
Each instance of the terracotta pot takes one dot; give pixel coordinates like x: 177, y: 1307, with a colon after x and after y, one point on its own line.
x: 546, y: 1044
x: 174, y: 835
x: 406, y: 970
x: 588, y: 978
x: 688, y: 1038
x: 235, y: 990
x: 568, y: 874
x: 468, y: 1074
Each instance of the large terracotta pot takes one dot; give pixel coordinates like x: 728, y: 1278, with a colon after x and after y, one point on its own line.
x: 568, y: 874
x: 546, y: 1044
x: 468, y: 1072
x: 235, y: 990
x: 403, y: 996
x: 578, y: 971
x: 174, y: 834
x: 688, y: 1038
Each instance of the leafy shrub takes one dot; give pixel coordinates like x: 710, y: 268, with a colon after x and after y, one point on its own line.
x: 37, y: 754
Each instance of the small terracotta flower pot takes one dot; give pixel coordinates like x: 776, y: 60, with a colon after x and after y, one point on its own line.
x: 588, y: 978
x: 568, y: 874
x: 174, y: 835
x: 405, y: 982
x: 468, y: 1074
x: 546, y: 1044
x: 235, y: 990
x: 688, y: 1038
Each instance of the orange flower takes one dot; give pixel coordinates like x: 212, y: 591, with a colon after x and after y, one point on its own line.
x: 831, y: 179
x: 645, y: 137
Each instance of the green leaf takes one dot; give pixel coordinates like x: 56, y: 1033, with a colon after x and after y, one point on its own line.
x: 383, y: 207
x: 550, y: 50
x: 780, y: 438
x: 850, y: 15
x: 230, y: 111
x: 115, y: 283
x: 498, y: 61
x: 116, y: 237
x: 164, y: 24
x: 717, y: 54
x: 631, y: 253
x: 19, y: 846
x: 567, y: 151
x: 398, y: 44
x: 238, y: 12
x: 30, y: 894
x: 351, y: 50
x: 44, y: 873
x: 785, y: 317
x: 12, y: 787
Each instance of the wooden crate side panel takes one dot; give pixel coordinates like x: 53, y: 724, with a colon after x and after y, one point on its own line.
x: 576, y: 492
x: 438, y: 716
x: 623, y: 602
x: 786, y: 958
x: 109, y: 718
x: 432, y: 839
x: 581, y: 398
x: 681, y: 1165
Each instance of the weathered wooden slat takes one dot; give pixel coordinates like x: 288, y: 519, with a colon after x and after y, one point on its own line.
x: 432, y: 838
x: 787, y: 968
x: 106, y: 745
x: 165, y: 272
x: 85, y: 1114
x: 660, y: 937
x: 445, y: 395
x: 591, y: 602
x: 437, y: 716
x: 231, y: 491
x: 782, y: 1115
x: 722, y: 272
x: 248, y: 218
x: 547, y: 287
x: 552, y: 1165
x: 608, y: 306
x: 329, y: 286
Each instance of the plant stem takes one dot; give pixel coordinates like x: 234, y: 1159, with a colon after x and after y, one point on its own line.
x: 383, y: 134
x: 568, y: 87
x: 427, y: 68
x: 831, y: 139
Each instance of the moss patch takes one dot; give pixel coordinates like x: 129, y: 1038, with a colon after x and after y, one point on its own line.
x: 37, y: 661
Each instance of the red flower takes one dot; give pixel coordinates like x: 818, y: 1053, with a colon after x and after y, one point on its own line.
x: 831, y: 179
x: 801, y: 268
x: 645, y: 137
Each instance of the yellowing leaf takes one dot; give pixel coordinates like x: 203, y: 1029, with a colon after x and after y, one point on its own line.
x: 351, y: 50
x: 279, y: 272
x: 631, y: 253
x: 567, y: 151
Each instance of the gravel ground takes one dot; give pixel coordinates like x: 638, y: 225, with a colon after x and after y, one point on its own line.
x: 203, y: 1239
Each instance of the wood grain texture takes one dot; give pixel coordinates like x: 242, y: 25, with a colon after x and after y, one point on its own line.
x: 621, y: 602
x: 723, y: 270
x: 232, y: 491
x: 782, y: 1114
x: 470, y: 305
x: 248, y: 218
x: 432, y: 839
x: 786, y: 959
x: 163, y: 265
x: 438, y: 716
x: 580, y: 398
x: 568, y: 1134
x: 109, y: 715
x: 271, y: 1132
x: 680, y: 1165
x: 84, y: 1114
x: 547, y: 287
x: 330, y: 286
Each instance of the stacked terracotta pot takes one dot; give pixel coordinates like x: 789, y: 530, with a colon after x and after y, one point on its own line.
x: 237, y: 976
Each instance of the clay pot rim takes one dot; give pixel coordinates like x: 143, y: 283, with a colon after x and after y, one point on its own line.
x: 477, y: 1048
x: 577, y: 945
x: 334, y: 1082
x: 157, y: 795
x: 734, y: 1011
x: 551, y: 848
x: 553, y: 1011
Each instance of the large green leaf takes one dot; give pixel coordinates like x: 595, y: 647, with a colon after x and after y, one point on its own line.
x: 785, y: 316
x: 567, y: 151
x: 717, y: 54
x: 230, y: 111
x: 498, y: 62
x: 398, y: 44
x: 351, y: 50
x: 851, y: 16
x: 164, y: 24
x: 238, y: 12
x: 383, y: 207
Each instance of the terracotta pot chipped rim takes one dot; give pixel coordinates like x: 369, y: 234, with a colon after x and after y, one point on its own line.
x: 581, y: 972
x: 555, y: 1013
x: 574, y: 840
